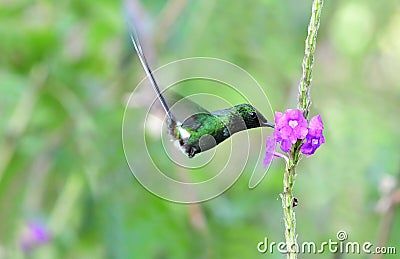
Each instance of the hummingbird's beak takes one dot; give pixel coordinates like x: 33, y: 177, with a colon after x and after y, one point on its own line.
x: 264, y: 122
x: 268, y: 124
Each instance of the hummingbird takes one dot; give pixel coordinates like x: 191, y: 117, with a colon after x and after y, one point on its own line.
x: 203, y: 130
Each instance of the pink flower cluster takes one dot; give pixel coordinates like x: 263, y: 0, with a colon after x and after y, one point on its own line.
x: 292, y: 126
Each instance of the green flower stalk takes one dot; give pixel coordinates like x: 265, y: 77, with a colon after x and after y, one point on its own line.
x: 304, y: 102
x: 308, y: 60
x: 291, y: 129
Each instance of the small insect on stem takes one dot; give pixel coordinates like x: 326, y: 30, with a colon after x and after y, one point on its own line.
x: 295, y: 202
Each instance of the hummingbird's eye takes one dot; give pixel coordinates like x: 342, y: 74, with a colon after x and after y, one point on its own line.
x: 253, y: 115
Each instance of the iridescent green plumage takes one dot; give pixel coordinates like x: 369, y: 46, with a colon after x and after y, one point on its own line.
x: 203, y: 131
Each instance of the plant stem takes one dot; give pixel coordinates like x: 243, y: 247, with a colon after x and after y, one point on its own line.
x: 304, y: 103
x: 287, y: 201
x: 308, y: 60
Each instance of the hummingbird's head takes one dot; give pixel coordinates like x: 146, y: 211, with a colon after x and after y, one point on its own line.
x: 252, y: 117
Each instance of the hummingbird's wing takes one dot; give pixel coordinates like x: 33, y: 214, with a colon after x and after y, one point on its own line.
x: 183, y: 107
x: 195, y: 121
x: 174, y: 97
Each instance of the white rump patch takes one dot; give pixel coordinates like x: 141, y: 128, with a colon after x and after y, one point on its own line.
x: 184, y: 133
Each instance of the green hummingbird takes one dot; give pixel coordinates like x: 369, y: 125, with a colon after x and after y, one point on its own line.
x: 204, y: 130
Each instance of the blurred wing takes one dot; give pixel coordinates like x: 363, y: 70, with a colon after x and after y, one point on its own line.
x: 195, y: 121
x: 183, y: 107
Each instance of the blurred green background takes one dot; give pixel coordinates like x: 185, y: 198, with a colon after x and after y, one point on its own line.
x: 66, y: 69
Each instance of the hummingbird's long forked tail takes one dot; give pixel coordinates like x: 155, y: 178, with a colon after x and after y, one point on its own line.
x: 150, y: 75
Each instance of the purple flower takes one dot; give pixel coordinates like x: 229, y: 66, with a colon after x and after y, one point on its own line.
x: 269, y: 151
x: 33, y: 235
x: 316, y: 126
x: 314, y: 138
x: 289, y: 127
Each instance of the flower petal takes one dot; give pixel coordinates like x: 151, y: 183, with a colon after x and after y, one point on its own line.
x: 301, y: 132
x: 316, y: 123
x: 279, y: 119
x: 269, y: 151
x: 286, y: 145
